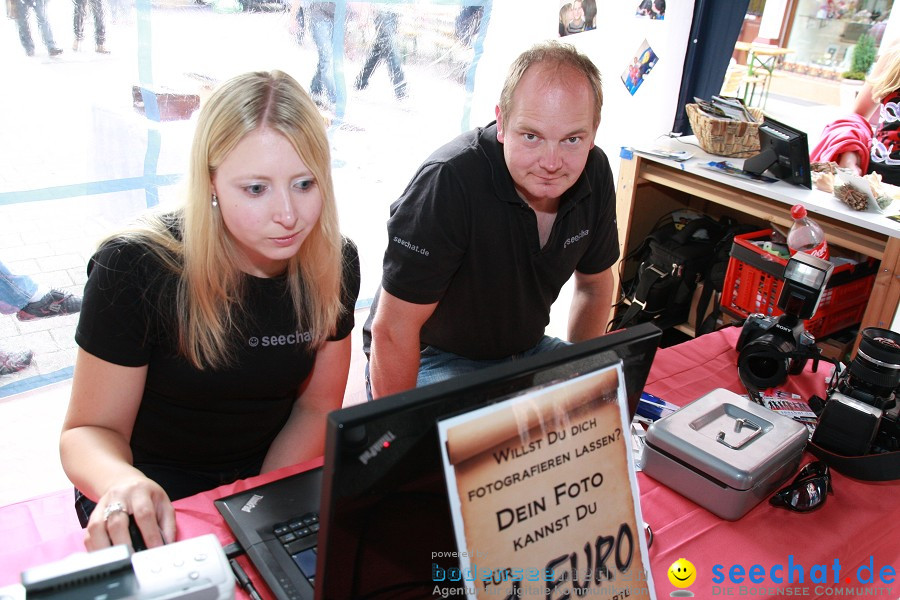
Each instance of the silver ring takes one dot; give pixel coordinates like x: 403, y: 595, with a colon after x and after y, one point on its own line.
x: 115, y: 507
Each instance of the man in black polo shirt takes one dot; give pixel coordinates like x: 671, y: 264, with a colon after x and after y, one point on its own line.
x: 491, y: 227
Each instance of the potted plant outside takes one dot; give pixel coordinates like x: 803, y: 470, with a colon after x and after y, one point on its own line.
x: 861, y: 60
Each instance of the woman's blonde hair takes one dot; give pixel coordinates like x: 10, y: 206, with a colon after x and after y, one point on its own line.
x: 209, y: 295
x: 888, y: 78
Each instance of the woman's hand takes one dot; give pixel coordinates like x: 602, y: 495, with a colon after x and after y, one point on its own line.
x: 95, y: 452
x: 850, y: 160
x: 145, y: 499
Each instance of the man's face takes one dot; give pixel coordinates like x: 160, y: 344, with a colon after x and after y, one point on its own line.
x: 577, y: 10
x: 548, y: 133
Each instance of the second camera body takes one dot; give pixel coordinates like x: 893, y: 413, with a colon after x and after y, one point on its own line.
x: 860, y: 415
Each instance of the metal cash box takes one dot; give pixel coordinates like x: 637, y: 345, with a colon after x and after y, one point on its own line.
x: 724, y: 452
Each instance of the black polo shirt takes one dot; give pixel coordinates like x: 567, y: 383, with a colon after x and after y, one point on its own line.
x: 461, y: 236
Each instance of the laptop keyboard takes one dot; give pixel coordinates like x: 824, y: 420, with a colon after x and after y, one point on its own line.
x: 298, y: 536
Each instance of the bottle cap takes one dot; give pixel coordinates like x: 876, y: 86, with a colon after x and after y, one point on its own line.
x: 798, y: 211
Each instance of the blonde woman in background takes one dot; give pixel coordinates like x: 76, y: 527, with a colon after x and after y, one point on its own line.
x: 878, y: 103
x: 214, y: 339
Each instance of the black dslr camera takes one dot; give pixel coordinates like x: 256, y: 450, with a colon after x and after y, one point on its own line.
x: 860, y: 415
x: 771, y: 348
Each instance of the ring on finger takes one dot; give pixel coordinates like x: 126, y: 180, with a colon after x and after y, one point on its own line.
x: 112, y: 508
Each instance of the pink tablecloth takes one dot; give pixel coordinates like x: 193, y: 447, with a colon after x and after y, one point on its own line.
x: 859, y: 524
x: 859, y: 521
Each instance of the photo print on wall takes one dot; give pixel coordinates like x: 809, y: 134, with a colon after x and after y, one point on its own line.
x: 652, y: 9
x: 576, y: 16
x: 644, y: 60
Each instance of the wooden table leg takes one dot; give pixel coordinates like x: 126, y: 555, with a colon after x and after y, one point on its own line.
x: 626, y: 189
x: 882, y: 307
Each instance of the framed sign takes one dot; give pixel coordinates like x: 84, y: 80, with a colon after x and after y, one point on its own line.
x: 544, y: 496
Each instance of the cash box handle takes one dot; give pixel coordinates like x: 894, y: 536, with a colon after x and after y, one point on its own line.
x: 740, y: 424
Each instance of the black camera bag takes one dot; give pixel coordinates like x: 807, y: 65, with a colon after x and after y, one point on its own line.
x: 714, y: 278
x: 673, y: 261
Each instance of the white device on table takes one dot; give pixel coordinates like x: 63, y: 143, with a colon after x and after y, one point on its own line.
x: 193, y: 569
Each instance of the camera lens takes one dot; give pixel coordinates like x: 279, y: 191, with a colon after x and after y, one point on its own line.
x: 763, y: 363
x: 876, y: 368
x: 766, y: 349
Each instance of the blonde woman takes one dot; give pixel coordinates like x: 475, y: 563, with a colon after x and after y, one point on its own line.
x: 213, y: 340
x: 878, y: 103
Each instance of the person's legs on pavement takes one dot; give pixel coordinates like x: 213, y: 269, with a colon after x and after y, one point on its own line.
x: 78, y: 15
x: 322, y: 30
x: 392, y: 55
x: 15, y: 290
x: 40, y: 11
x: 24, y: 28
x: 99, y: 26
x: 300, y: 18
x: 54, y: 303
x: 362, y: 80
x: 376, y: 54
x: 22, y: 295
x: 14, y: 361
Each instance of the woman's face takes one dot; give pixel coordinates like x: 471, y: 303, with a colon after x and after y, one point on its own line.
x: 269, y: 201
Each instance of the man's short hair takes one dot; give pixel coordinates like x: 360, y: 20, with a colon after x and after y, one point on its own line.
x: 562, y: 55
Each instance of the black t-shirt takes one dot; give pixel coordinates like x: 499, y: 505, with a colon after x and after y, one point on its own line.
x: 461, y: 236
x: 211, y: 420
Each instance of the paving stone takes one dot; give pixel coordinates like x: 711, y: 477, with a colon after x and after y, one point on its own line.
x: 28, y: 267
x: 8, y: 327
x: 25, y: 252
x: 64, y: 337
x: 57, y: 263
x: 9, y: 239
x: 50, y: 362
x: 39, y: 342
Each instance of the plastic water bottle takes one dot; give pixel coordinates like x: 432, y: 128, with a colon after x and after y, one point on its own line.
x: 806, y: 235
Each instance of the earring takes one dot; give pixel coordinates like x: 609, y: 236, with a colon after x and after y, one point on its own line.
x: 215, y: 200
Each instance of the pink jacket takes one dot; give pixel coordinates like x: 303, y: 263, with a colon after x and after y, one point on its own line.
x: 847, y: 134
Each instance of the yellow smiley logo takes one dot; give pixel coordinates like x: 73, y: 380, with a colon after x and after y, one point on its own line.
x: 682, y: 573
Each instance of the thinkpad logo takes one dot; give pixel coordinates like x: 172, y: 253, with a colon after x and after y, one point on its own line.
x: 251, y: 503
x: 373, y: 451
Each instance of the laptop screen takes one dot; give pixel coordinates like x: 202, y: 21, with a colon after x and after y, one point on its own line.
x: 385, y: 512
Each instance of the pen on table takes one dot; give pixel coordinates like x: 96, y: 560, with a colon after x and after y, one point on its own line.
x: 244, y: 580
x: 653, y: 407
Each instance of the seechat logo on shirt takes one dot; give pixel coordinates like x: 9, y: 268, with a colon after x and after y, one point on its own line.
x: 290, y: 339
x: 410, y: 246
x: 575, y: 238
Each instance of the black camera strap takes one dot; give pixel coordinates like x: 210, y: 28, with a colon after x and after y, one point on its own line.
x: 649, y: 276
x: 871, y: 467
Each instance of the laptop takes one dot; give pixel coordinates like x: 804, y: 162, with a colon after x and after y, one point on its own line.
x: 277, y: 525
x: 375, y: 519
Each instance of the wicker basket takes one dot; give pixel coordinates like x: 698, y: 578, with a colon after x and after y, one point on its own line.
x: 724, y: 137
